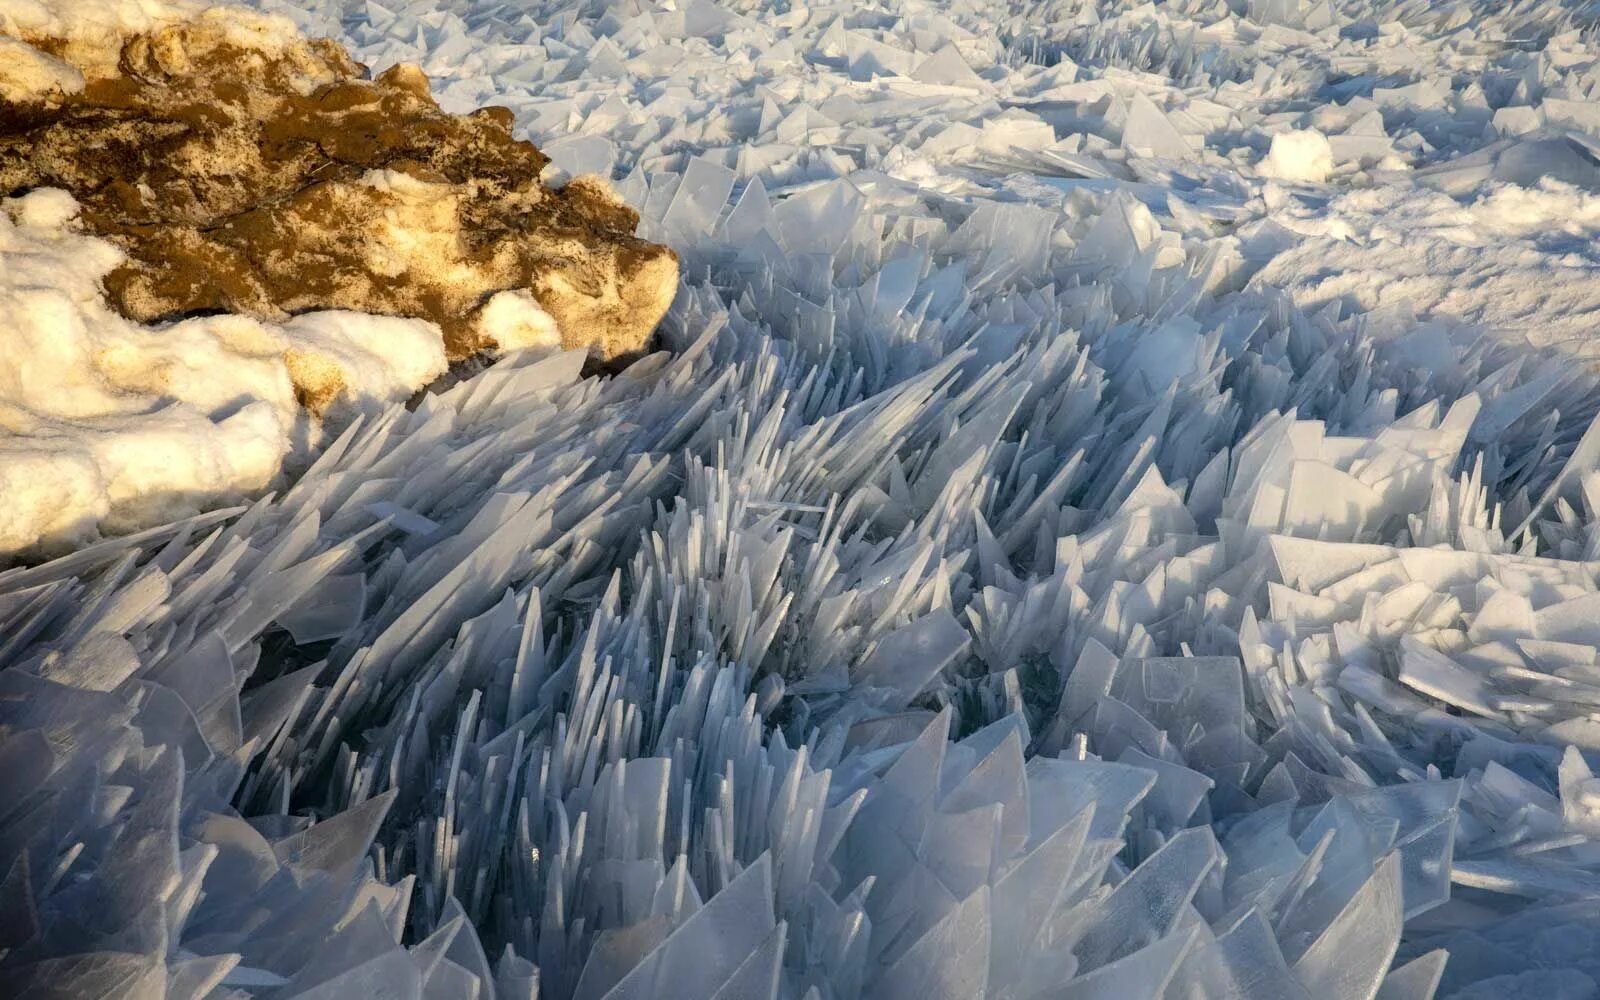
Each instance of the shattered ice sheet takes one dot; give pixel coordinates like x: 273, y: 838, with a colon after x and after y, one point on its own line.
x: 1060, y: 554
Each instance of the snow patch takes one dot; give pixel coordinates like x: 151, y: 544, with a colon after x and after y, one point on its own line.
x: 26, y: 74
x: 153, y: 423
x: 90, y: 34
x: 513, y: 321
x: 1299, y: 156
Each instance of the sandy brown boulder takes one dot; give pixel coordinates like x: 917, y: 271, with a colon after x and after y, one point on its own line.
x: 274, y: 179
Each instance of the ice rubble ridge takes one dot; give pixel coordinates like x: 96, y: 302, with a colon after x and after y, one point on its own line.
x: 762, y: 669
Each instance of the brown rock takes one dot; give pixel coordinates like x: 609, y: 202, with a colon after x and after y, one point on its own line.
x: 277, y: 181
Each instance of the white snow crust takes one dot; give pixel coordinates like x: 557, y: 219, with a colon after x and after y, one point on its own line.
x: 1059, y: 554
x: 26, y: 74
x: 91, y: 33
x: 110, y: 425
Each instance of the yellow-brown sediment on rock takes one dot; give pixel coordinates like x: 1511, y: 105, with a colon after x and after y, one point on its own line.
x: 272, y: 182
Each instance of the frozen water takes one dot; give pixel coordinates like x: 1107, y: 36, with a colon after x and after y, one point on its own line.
x: 1054, y: 558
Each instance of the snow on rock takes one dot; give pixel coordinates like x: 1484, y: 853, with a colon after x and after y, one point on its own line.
x: 90, y: 34
x: 28, y: 75
x: 272, y: 179
x: 1051, y: 560
x: 513, y: 321
x: 228, y: 165
x: 112, y: 426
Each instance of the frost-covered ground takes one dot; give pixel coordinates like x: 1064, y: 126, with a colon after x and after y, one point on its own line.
x: 1120, y: 518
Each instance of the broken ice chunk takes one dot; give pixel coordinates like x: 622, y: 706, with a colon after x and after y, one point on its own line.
x: 909, y: 658
x: 1150, y: 132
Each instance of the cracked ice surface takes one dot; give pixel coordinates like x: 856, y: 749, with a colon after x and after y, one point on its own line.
x: 1056, y: 559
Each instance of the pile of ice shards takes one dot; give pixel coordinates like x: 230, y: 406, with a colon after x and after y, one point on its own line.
x: 993, y: 592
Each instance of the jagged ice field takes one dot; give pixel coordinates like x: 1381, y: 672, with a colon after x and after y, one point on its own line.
x: 1116, y: 515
